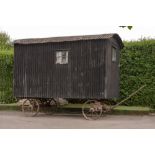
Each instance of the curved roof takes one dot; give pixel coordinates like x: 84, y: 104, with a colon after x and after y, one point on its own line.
x: 71, y: 38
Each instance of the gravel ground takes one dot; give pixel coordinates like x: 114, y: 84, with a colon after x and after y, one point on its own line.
x: 16, y: 120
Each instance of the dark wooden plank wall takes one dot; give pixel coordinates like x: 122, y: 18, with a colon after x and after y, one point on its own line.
x: 112, y: 76
x: 36, y: 75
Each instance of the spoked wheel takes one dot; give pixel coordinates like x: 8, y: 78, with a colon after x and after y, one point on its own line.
x: 30, y: 107
x: 92, y: 110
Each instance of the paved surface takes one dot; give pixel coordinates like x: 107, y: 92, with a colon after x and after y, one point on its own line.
x: 16, y: 120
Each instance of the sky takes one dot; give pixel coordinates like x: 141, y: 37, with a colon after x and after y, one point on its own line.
x: 20, y: 32
x: 50, y: 18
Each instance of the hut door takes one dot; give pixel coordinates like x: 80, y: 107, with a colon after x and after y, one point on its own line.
x: 114, y: 76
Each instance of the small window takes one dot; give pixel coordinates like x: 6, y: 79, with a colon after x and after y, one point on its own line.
x: 114, y: 54
x: 62, y: 57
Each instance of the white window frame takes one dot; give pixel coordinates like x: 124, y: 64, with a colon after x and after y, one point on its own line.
x: 62, y: 57
x: 114, y: 54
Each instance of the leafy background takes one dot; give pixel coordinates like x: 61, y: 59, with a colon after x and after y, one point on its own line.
x: 137, y: 69
x: 6, y: 76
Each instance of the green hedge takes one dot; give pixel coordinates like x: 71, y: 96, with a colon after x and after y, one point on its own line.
x: 6, y: 76
x: 137, y: 69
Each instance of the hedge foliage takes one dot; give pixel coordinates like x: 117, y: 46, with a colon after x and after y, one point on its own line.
x: 137, y: 69
x: 5, y: 41
x: 6, y: 76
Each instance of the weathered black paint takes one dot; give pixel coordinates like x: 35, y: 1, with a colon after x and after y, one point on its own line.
x: 90, y: 72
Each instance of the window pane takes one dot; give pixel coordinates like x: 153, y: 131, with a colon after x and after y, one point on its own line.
x: 114, y: 54
x: 62, y: 57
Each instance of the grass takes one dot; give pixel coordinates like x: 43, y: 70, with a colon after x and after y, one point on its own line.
x: 12, y: 106
x: 132, y: 108
x: 77, y: 108
x: 117, y: 110
x: 74, y: 106
x: 129, y: 108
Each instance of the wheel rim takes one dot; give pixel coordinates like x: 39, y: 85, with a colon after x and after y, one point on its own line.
x: 92, y: 110
x: 30, y: 107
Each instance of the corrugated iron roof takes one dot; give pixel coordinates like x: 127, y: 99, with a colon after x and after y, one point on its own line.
x: 70, y: 38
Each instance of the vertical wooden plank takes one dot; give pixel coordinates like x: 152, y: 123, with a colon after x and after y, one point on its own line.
x: 86, y: 75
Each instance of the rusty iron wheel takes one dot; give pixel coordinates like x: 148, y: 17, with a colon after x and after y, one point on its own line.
x: 30, y: 107
x: 92, y: 110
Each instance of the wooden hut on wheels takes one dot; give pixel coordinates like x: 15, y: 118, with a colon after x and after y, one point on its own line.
x: 76, y: 67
